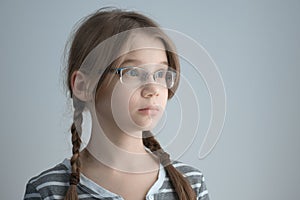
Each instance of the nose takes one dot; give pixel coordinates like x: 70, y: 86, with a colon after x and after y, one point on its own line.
x: 150, y: 90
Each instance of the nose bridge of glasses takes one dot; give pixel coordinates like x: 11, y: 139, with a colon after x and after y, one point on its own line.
x: 147, y: 76
x: 152, y: 81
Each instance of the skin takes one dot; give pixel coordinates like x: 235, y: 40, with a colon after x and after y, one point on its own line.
x: 134, y: 108
x: 119, y: 115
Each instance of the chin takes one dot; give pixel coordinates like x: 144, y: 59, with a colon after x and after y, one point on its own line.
x: 146, y: 126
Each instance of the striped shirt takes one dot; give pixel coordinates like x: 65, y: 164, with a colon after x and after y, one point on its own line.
x: 53, y: 184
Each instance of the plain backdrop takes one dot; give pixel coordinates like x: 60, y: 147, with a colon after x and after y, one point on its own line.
x: 255, y: 44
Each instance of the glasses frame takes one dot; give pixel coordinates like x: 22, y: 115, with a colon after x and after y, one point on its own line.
x: 120, y: 69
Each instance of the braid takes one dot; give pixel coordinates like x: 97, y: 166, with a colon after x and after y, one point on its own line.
x: 181, y: 185
x: 76, y: 131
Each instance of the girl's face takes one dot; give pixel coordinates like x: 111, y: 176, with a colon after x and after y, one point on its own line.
x: 135, y: 106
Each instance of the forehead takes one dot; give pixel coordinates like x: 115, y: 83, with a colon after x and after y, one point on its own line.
x: 142, y: 48
x: 141, y: 40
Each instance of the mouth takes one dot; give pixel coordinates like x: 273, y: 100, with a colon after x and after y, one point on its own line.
x: 149, y: 110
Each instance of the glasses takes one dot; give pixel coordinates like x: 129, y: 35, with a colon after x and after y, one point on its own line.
x: 137, y: 76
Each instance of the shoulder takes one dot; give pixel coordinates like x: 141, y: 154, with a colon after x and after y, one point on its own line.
x: 186, y: 169
x: 51, y: 182
x: 195, y: 178
x: 58, y: 173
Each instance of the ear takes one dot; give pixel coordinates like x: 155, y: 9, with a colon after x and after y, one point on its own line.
x: 79, y: 86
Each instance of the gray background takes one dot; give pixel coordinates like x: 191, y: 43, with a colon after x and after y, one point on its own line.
x: 255, y: 44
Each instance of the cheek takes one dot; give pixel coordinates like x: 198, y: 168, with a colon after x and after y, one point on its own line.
x: 164, y: 98
x: 102, y: 102
x: 133, y: 101
x: 109, y: 98
x: 120, y: 104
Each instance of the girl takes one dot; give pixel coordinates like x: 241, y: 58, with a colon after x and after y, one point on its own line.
x: 122, y: 69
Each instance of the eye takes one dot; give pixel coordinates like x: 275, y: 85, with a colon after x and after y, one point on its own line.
x: 171, y: 75
x: 132, y: 72
x: 160, y: 74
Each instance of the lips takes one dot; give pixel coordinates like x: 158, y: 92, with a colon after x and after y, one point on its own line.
x: 149, y: 110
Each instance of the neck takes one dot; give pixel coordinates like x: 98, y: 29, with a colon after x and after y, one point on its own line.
x: 120, y: 151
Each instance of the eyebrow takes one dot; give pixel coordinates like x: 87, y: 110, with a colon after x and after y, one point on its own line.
x: 138, y: 62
